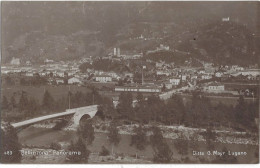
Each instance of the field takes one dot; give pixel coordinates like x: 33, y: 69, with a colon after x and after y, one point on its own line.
x: 38, y: 91
x: 216, y: 99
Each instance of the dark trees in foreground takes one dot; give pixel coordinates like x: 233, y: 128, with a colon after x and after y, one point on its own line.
x: 86, y: 132
x: 82, y: 152
x: 48, y: 101
x: 199, y: 112
x: 113, y: 135
x: 181, y: 144
x: 9, y: 145
x: 162, y: 151
x: 139, y: 138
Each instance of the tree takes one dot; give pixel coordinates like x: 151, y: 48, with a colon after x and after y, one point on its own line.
x: 32, y: 107
x: 240, y: 109
x: 10, y: 146
x: 193, y: 143
x: 23, y: 103
x: 139, y: 138
x: 4, y: 103
x: 200, y: 109
x: 77, y: 99
x: 154, y: 108
x: 13, y: 102
x: 83, y: 152
x: 86, y: 132
x: 210, y: 137
x: 106, y: 109
x: 156, y: 138
x: 125, y: 107
x: 140, y: 98
x: 139, y: 109
x: 162, y: 152
x: 120, y: 82
x: 83, y: 67
x: 113, y: 135
x: 104, y: 151
x: 55, y: 146
x: 48, y: 101
x: 175, y: 111
x: 181, y: 144
x: 163, y: 88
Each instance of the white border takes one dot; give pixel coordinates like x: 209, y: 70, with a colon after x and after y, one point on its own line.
x: 129, y: 165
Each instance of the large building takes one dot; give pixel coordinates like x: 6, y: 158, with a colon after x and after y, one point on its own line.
x: 74, y: 80
x: 103, y: 78
x: 215, y: 87
x: 175, y: 81
x: 149, y: 89
x: 15, y: 61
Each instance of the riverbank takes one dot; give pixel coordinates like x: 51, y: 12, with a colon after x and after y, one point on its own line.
x: 225, y: 135
x: 42, y: 138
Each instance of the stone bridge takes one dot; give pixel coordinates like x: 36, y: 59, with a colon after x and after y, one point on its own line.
x: 77, y: 113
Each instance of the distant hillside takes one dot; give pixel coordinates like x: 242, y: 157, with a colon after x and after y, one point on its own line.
x: 217, y: 42
x: 37, y: 46
x: 168, y: 56
x: 223, y: 43
x: 71, y: 30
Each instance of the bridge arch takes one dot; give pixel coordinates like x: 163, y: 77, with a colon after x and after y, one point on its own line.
x: 79, y: 118
x: 81, y: 112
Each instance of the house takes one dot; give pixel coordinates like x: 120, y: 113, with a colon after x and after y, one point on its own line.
x: 48, y: 61
x: 219, y: 74
x: 215, y: 87
x: 71, y: 73
x: 131, y: 75
x: 237, y: 68
x: 29, y: 74
x: 251, y: 77
x: 162, y: 73
x: 206, y: 76
x: 183, y: 77
x: 175, y: 81
x: 194, y: 77
x: 112, y: 74
x: 28, y: 63
x: 15, y: 61
x: 59, y: 81
x: 225, y: 77
x: 159, y: 64
x: 43, y: 73
x: 201, y: 71
x: 162, y: 47
x: 168, y: 85
x: 59, y: 74
x: 103, y: 78
x: 74, y: 80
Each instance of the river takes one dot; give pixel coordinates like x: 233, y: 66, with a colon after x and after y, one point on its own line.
x: 42, y: 137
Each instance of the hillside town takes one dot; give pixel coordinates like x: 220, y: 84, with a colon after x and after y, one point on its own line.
x: 148, y: 76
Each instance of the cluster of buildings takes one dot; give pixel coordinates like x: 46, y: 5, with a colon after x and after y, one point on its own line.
x: 156, y: 76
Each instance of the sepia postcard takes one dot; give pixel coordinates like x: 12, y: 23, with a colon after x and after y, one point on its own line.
x: 127, y: 82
